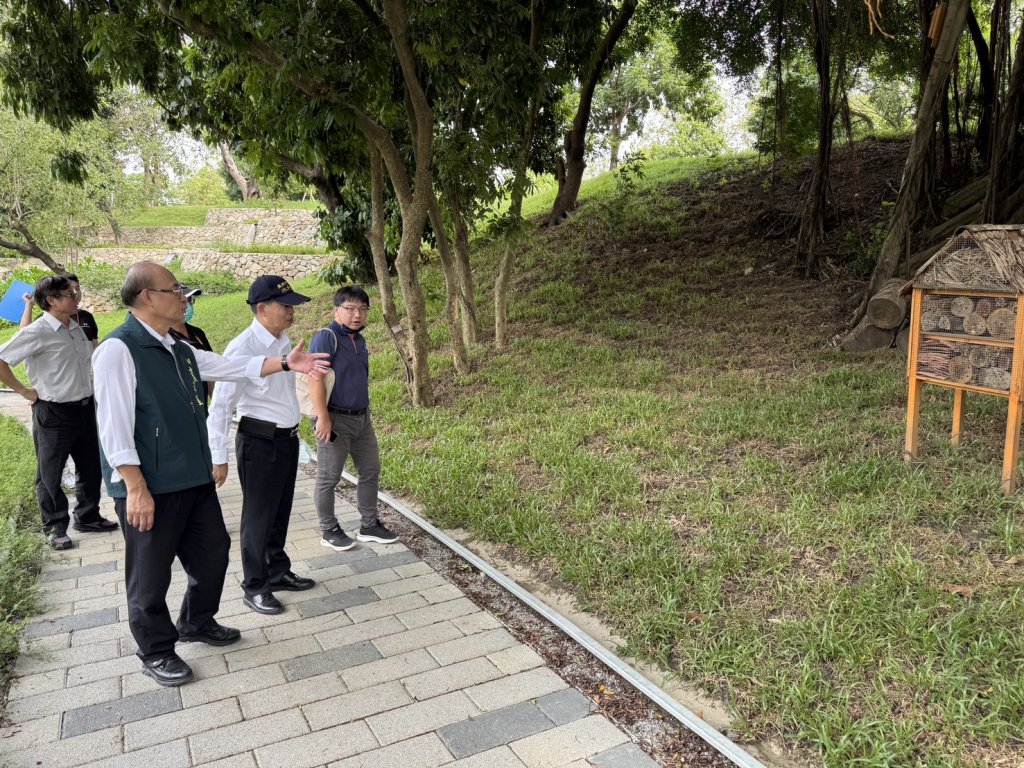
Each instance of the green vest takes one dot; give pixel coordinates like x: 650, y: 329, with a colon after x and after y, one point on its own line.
x: 170, y: 422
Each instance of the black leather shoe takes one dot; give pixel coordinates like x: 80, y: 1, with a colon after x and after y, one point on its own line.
x: 99, y: 525
x: 169, y: 671
x: 292, y: 583
x: 264, y: 602
x: 212, y: 634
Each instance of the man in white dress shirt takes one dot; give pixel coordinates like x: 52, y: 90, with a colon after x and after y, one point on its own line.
x: 158, y: 469
x: 56, y: 352
x: 266, y: 445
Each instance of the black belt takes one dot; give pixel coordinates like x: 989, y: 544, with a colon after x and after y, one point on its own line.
x: 80, y: 403
x: 348, y: 411
x: 265, y: 429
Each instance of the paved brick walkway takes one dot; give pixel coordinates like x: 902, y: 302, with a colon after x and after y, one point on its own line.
x: 384, y: 663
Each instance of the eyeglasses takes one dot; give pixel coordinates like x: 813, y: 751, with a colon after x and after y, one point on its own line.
x: 71, y: 294
x: 354, y: 308
x: 180, y: 290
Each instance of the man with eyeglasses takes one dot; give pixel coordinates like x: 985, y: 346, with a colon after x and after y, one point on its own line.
x: 343, y: 426
x: 56, y: 353
x: 158, y: 468
x: 83, y: 317
x: 266, y: 446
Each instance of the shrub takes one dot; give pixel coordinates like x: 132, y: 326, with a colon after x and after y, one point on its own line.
x: 20, y: 540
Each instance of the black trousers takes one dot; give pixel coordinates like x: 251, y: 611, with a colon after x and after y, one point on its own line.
x: 190, y: 525
x: 60, y: 430
x: 266, y: 470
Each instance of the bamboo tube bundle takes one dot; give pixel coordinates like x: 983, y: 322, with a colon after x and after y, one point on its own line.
x: 981, y: 357
x: 933, y: 358
x: 984, y: 307
x: 995, y: 378
x: 960, y: 369
x: 1002, y: 323
x: 962, y: 306
x: 975, y: 324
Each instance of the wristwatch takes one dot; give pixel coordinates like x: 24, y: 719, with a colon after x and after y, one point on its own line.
x: 284, y: 363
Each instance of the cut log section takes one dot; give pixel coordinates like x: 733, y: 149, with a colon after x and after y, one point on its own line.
x: 930, y: 321
x: 866, y: 337
x: 980, y: 357
x: 960, y: 369
x: 984, y: 307
x: 975, y: 324
x: 1002, y: 323
x: 962, y: 306
x: 887, y: 308
x: 995, y: 378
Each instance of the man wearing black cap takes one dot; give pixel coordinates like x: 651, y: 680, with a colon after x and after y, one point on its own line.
x: 266, y: 446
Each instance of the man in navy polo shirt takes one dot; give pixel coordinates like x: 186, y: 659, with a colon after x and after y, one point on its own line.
x: 343, y: 424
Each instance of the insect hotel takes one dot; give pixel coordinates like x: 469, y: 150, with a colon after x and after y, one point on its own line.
x: 966, y: 332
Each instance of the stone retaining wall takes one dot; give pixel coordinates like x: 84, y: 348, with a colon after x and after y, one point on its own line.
x: 242, y: 226
x: 245, y: 266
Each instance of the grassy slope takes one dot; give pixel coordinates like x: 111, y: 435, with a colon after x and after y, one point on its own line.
x: 672, y: 438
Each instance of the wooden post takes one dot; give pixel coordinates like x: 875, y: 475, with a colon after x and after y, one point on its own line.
x: 1011, y: 449
x: 958, y: 416
x: 913, y: 383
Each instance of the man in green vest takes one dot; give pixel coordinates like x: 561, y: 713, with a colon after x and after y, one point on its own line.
x: 157, y: 465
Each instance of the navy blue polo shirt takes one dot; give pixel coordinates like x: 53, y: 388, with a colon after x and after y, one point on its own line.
x: 351, y: 364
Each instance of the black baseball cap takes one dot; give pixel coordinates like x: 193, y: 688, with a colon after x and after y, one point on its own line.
x: 191, y: 292
x: 274, y: 288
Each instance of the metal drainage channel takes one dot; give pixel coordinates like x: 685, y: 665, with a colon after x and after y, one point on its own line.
x: 687, y: 718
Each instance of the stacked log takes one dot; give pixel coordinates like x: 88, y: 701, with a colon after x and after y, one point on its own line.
x: 880, y: 326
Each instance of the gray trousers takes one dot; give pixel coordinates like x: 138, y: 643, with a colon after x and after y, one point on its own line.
x: 356, y: 438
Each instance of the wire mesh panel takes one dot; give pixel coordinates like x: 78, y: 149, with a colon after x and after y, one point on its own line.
x: 965, y: 363
x: 981, y: 317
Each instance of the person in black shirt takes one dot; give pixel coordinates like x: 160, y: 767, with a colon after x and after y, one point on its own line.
x: 191, y: 334
x: 83, y: 317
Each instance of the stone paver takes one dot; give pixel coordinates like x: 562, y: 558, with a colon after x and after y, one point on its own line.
x: 384, y: 664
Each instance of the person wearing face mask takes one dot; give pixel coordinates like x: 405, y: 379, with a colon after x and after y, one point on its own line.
x: 193, y: 335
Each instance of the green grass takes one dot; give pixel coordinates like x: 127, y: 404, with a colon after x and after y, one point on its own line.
x: 677, y: 444
x: 195, y: 215
x: 301, y: 250
x: 169, y: 216
x: 20, y: 540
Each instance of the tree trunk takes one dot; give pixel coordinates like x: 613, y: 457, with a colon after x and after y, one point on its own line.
x: 30, y: 248
x: 501, y: 296
x: 919, y: 158
x: 614, y: 141
x: 452, y: 289
x: 467, y: 295
x: 375, y: 236
x: 812, y: 219
x: 519, y: 182
x: 246, y: 186
x: 1006, y: 144
x: 986, y: 75
x: 575, y: 139
x: 416, y: 209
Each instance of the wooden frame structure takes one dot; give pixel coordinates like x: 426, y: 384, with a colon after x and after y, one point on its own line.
x: 941, y: 348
